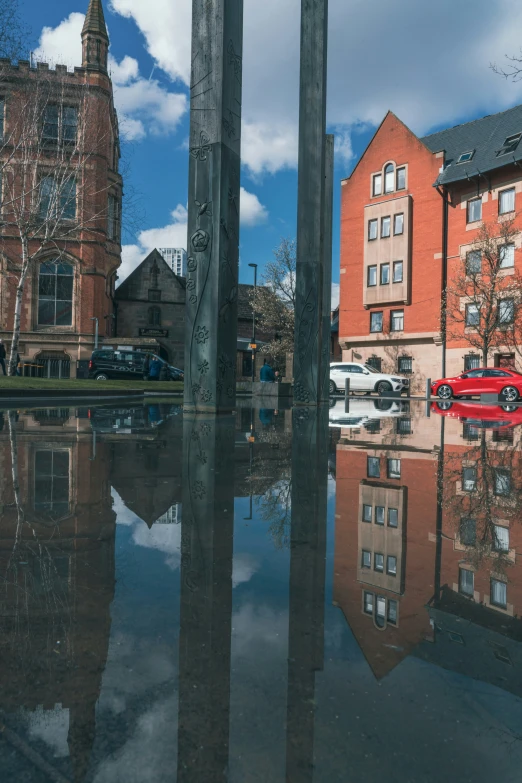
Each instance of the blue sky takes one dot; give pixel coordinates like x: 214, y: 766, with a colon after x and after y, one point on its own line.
x: 427, y: 62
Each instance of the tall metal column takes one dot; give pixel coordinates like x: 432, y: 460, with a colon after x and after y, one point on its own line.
x: 307, y: 586
x: 327, y: 264
x: 206, y: 598
x: 213, y: 205
x: 309, y: 358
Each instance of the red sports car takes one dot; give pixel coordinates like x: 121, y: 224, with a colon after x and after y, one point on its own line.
x: 486, y: 380
x: 480, y: 416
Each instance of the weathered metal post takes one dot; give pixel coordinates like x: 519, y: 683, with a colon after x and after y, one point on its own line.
x: 213, y: 205
x: 327, y: 262
x: 207, y: 533
x: 309, y: 358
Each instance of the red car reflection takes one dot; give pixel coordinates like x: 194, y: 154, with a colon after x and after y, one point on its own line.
x: 484, y: 380
x: 480, y: 416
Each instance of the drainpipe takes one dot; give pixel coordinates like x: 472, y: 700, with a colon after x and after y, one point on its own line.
x: 443, y: 312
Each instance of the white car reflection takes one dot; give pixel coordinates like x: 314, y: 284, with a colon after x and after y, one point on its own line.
x: 362, y: 411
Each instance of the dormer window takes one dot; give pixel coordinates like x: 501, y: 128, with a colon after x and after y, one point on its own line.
x: 510, y: 145
x: 465, y: 156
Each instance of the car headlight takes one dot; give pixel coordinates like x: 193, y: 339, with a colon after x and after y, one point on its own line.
x: 397, y: 380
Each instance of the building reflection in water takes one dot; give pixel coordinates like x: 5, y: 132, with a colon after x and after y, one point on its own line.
x: 57, y: 563
x: 428, y: 525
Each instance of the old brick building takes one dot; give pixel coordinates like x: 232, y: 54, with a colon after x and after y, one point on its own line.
x: 150, y: 315
x: 410, y: 213
x: 150, y: 309
x: 70, y: 284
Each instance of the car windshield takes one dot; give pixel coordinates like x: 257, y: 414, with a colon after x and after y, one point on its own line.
x: 372, y: 369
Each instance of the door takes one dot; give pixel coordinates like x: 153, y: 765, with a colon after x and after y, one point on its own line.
x: 123, y: 365
x: 498, y: 379
x: 355, y: 373
x: 472, y: 382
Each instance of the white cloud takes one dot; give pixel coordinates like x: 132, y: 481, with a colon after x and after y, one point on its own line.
x: 369, y: 72
x: 335, y: 295
x: 51, y: 726
x: 252, y: 211
x: 244, y: 566
x: 166, y: 28
x: 174, y: 234
x: 62, y: 45
x: 144, y: 105
x: 164, y: 538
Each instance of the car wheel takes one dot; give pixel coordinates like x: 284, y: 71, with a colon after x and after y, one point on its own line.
x: 445, y: 392
x: 509, y: 408
x: 102, y: 377
x: 333, y: 387
x: 383, y: 405
x: 509, y: 394
x: 383, y: 387
x: 445, y: 405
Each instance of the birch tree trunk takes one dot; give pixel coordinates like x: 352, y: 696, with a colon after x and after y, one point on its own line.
x: 18, y: 308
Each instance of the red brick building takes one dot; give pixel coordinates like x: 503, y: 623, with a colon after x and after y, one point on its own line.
x: 410, y: 213
x: 61, y: 300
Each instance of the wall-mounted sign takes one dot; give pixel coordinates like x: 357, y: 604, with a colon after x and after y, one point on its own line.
x: 154, y: 332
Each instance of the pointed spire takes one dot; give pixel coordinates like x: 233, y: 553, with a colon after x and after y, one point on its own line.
x: 95, y: 21
x: 95, y: 39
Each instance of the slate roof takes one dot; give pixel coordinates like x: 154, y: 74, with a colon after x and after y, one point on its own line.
x: 122, y: 292
x: 95, y: 20
x: 485, y: 136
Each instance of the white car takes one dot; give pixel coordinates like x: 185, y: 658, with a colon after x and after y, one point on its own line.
x: 364, y: 378
x: 364, y: 411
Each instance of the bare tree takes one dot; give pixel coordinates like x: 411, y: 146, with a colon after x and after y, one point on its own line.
x: 50, y: 196
x: 481, y: 499
x: 274, y: 302
x: 13, y: 32
x: 484, y: 293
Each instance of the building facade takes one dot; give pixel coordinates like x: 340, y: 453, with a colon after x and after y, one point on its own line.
x: 176, y: 258
x: 70, y: 284
x: 411, y: 214
x: 150, y: 315
x: 150, y: 309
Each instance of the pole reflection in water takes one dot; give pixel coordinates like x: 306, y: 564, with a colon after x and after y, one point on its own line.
x: 307, y: 581
x: 206, y: 598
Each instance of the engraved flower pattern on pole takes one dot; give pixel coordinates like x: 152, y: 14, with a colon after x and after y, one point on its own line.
x: 202, y: 335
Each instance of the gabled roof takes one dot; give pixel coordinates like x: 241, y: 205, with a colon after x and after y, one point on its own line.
x: 485, y: 137
x: 95, y: 20
x: 121, y: 292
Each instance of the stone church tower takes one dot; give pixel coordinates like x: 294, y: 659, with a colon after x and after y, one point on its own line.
x: 69, y: 285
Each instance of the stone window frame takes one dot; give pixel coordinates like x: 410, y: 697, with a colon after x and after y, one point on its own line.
x: 383, y: 191
x: 67, y: 259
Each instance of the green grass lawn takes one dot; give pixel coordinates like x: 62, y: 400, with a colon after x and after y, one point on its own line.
x: 48, y: 384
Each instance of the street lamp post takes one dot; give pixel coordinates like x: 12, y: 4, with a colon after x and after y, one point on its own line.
x: 254, y: 267
x: 95, y: 333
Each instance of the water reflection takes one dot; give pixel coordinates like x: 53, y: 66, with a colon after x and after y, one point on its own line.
x: 250, y: 673
x: 427, y: 535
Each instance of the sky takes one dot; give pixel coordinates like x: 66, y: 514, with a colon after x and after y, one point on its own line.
x: 430, y: 63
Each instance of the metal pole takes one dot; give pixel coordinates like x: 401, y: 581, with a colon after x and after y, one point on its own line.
x: 213, y: 205
x: 95, y: 333
x: 347, y: 395
x: 309, y: 358
x: 254, y: 266
x: 428, y: 395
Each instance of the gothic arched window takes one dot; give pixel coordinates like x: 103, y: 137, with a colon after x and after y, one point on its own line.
x: 154, y: 316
